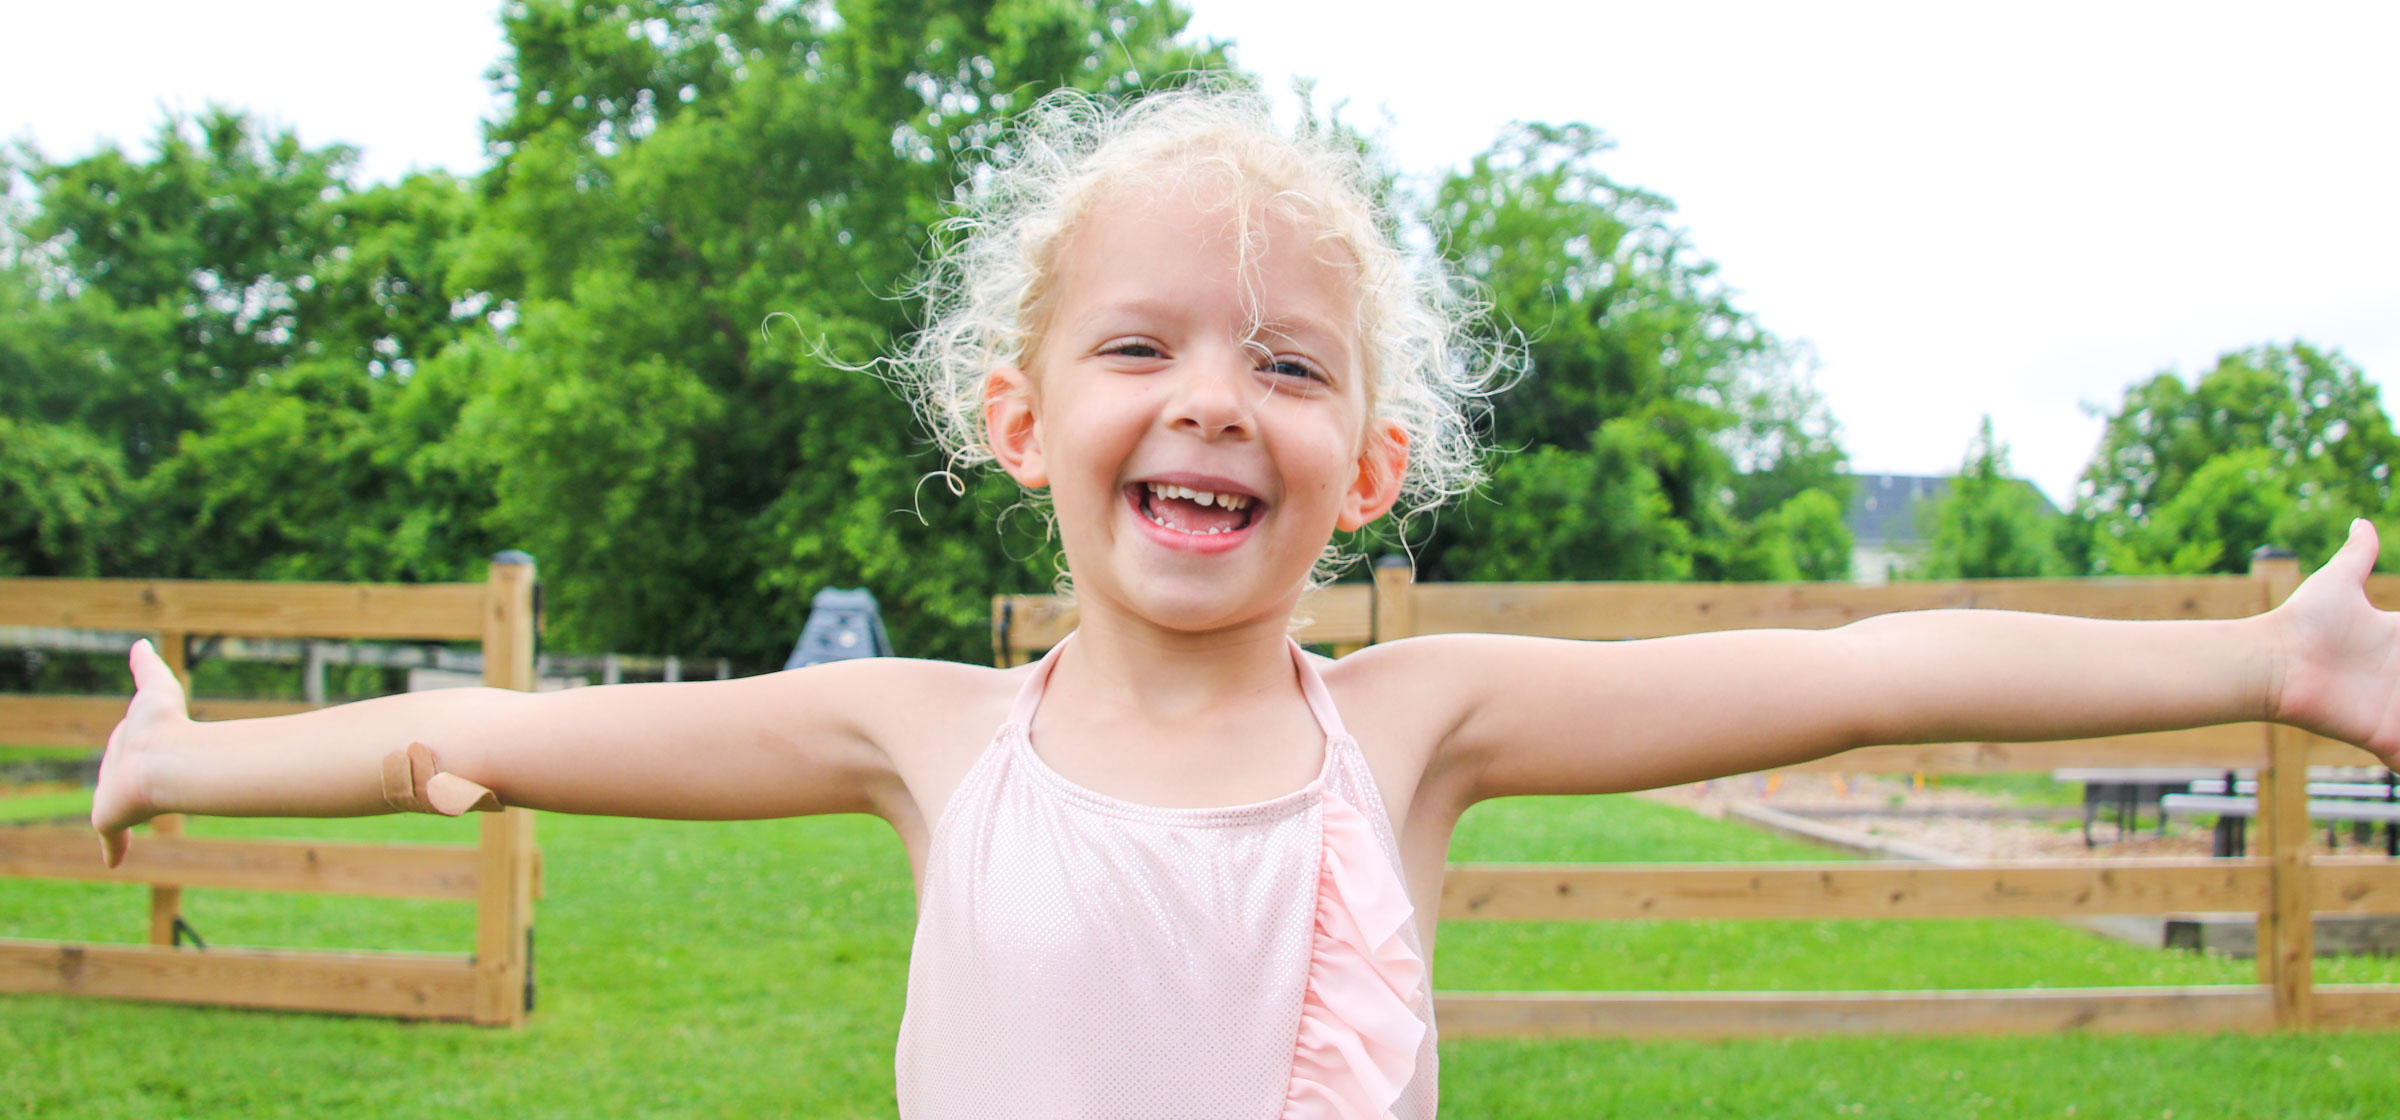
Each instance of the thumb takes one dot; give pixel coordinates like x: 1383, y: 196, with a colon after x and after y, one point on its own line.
x: 2355, y: 560
x: 151, y: 674
x: 112, y: 846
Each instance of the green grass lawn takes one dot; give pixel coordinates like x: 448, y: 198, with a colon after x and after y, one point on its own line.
x: 46, y: 807
x: 757, y: 969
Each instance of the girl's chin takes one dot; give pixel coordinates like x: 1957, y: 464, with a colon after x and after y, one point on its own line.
x: 1204, y: 608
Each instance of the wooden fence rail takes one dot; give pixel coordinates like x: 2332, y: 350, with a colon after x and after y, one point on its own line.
x: 498, y: 874
x: 2282, y: 885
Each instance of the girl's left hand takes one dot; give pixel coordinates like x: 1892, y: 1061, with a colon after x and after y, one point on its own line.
x: 152, y: 721
x: 2338, y: 673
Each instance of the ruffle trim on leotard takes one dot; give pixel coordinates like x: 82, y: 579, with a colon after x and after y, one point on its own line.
x: 1359, y: 1029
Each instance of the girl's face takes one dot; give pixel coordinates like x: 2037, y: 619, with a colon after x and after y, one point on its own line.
x: 1201, y: 420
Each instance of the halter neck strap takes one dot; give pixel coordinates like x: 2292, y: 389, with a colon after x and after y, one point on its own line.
x: 1320, y: 702
x: 1029, y: 695
x: 1312, y: 688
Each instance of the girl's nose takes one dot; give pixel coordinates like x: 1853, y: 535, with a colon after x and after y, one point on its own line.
x: 1217, y: 394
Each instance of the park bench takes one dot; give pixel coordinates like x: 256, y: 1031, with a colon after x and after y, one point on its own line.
x: 2364, y: 791
x: 2126, y: 790
x: 2234, y: 812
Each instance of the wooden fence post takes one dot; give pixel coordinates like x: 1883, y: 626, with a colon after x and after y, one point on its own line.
x: 1394, y: 618
x: 166, y: 903
x: 2287, y: 927
x: 504, y: 862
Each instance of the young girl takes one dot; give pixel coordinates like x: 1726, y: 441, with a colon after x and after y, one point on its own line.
x: 1180, y: 867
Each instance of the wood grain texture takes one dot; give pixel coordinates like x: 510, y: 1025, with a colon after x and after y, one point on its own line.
x: 378, y: 870
x: 402, y: 985
x: 504, y: 858
x: 1610, y: 611
x: 1788, y: 1014
x: 2358, y: 1007
x: 2011, y: 889
x: 85, y: 721
x: 431, y: 611
x: 500, y: 874
x: 2232, y: 746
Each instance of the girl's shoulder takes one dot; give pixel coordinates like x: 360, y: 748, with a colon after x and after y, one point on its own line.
x: 1414, y: 695
x: 901, y: 699
x: 1406, y: 669
x: 930, y: 720
x: 1401, y: 696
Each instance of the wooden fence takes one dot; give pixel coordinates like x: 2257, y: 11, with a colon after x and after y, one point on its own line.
x: 493, y: 986
x: 2281, y: 884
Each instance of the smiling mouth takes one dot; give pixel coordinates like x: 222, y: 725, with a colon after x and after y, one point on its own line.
x: 1200, y: 513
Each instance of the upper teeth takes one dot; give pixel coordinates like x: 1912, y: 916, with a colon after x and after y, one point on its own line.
x: 1204, y: 497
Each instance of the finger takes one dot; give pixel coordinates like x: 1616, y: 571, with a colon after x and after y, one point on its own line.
x: 2355, y: 560
x: 150, y: 671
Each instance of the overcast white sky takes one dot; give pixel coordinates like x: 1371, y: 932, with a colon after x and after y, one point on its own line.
x: 2012, y: 209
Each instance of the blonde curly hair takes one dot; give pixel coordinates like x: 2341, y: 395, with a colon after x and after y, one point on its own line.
x: 987, y: 289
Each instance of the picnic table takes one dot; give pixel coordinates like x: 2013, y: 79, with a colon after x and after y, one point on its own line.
x: 2234, y: 813
x: 2235, y: 801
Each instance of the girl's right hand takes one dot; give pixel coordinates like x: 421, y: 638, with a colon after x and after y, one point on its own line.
x: 123, y: 798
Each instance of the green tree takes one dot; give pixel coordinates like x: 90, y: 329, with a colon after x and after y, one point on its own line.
x: 63, y: 498
x: 333, y: 464
x: 1658, y: 431
x: 232, y: 316
x: 1807, y: 537
x: 2235, y: 498
x: 2278, y: 445
x: 699, y: 216
x: 167, y: 281
x: 1990, y: 524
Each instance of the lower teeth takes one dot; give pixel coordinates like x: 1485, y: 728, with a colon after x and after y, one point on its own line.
x: 1156, y: 520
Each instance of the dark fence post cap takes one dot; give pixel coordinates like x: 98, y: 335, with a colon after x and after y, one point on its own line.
x: 2273, y: 552
x: 1392, y: 560
x: 512, y: 556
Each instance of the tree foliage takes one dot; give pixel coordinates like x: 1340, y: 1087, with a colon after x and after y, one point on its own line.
x: 700, y: 217
x: 234, y: 317
x: 165, y: 283
x: 1658, y: 431
x: 632, y: 346
x: 1990, y: 524
x: 63, y: 499
x: 2273, y: 445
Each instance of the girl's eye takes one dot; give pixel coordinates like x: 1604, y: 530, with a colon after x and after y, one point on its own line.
x: 1294, y: 367
x: 1131, y: 348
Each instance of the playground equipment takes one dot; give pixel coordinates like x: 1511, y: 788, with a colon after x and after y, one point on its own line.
x: 843, y: 622
x: 499, y: 874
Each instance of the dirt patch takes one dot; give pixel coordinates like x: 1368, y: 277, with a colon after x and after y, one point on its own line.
x: 1963, y: 822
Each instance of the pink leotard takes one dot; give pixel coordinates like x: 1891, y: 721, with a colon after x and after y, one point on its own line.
x: 1082, y: 956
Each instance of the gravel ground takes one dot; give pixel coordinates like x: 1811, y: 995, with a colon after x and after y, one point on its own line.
x: 1893, y: 809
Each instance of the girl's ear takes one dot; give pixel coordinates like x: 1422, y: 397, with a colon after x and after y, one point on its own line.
x: 1376, y: 486
x: 1008, y: 422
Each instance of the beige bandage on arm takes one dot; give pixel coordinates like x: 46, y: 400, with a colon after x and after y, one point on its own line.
x: 411, y: 784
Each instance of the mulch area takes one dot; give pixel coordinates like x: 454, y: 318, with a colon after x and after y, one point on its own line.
x: 1895, y: 809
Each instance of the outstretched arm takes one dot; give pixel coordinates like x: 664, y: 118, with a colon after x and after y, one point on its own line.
x: 1535, y: 716
x: 785, y: 744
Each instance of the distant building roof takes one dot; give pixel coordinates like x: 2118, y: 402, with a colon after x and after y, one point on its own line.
x: 1883, y: 507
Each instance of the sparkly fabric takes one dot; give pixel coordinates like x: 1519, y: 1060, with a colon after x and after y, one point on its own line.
x: 1082, y: 956
x: 1359, y: 1031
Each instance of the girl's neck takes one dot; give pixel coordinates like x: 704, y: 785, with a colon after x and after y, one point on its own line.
x: 1179, y: 720
x: 1173, y: 675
